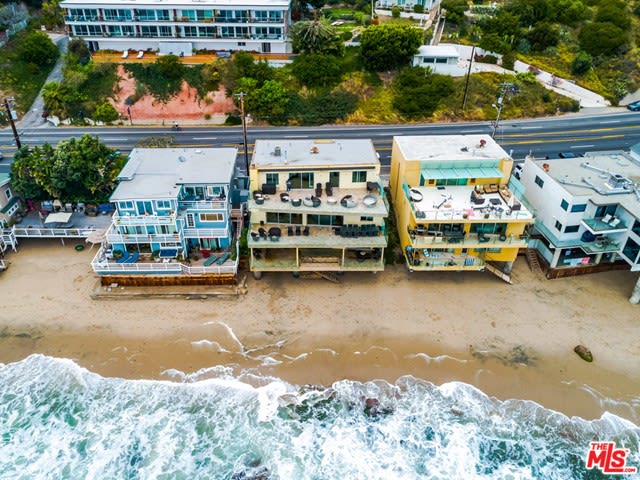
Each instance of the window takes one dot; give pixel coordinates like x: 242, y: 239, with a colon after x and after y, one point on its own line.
x: 539, y: 181
x: 359, y: 176
x: 558, y: 226
x: 605, y: 210
x: 636, y: 227
x: 631, y: 250
x: 149, y: 31
x: 366, y: 219
x: 165, y: 31
x: 327, y: 220
x: 8, y: 193
x: 302, y: 180
x: 126, y: 205
x: 13, y: 210
x: 564, y: 204
x: 272, y: 179
x: 572, y: 228
x: 286, y: 218
x: 450, y: 181
x: 164, y: 204
x: 211, y: 217
x: 242, y: 44
x: 579, y: 207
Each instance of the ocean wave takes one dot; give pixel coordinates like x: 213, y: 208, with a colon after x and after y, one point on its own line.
x: 59, y: 420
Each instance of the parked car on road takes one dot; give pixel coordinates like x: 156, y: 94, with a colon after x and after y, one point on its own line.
x: 569, y: 155
x: 634, y: 106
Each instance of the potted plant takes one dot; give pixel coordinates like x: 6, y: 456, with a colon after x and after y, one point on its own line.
x: 117, y: 254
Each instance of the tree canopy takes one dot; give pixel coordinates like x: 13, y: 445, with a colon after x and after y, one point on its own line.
x: 418, y: 91
x: 75, y: 170
x: 317, y: 70
x: 602, y: 38
x: 315, y: 36
x: 37, y: 48
x: 389, y: 46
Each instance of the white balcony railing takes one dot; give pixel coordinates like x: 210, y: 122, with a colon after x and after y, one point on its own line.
x: 204, y: 205
x: 144, y: 219
x: 142, y: 238
x: 205, y: 232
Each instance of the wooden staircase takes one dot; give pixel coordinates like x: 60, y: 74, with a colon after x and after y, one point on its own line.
x: 330, y: 276
x: 498, y: 273
x: 532, y: 259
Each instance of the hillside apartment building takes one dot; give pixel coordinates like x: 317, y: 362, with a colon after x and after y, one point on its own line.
x: 173, y: 218
x: 453, y: 208
x: 180, y: 27
x: 316, y: 206
x: 587, y: 209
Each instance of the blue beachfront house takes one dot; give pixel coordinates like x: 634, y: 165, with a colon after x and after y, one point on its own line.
x: 173, y: 215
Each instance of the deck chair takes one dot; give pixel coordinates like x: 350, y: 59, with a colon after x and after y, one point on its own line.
x: 133, y: 258
x: 140, y: 54
x: 124, y: 258
x: 615, y: 222
x: 607, y: 218
x: 125, y: 54
x: 210, y: 261
x: 223, y: 258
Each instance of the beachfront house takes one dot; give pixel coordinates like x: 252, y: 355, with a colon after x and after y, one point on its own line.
x: 453, y: 208
x: 316, y: 206
x: 9, y: 201
x: 173, y: 217
x: 442, y: 59
x: 180, y: 27
x: 587, y: 211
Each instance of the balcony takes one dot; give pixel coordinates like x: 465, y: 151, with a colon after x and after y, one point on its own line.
x: 317, y: 237
x: 149, y: 220
x: 328, y: 205
x: 206, y: 233
x: 421, y: 260
x: 601, y: 244
x: 102, y: 264
x: 604, y: 225
x: 459, y: 203
x: 468, y: 240
x: 126, y: 238
x: 203, y: 205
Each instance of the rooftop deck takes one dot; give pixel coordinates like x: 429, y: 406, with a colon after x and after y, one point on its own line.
x: 448, y: 203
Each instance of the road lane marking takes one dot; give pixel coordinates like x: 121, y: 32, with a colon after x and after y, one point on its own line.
x: 530, y: 128
x: 582, y: 146
x: 610, y: 121
x: 473, y: 131
x: 204, y: 138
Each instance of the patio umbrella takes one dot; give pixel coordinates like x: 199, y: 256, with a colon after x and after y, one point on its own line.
x: 96, y: 236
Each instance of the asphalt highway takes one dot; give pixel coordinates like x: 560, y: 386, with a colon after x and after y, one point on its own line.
x: 541, y: 137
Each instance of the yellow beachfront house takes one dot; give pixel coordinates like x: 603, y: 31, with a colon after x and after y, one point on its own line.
x: 316, y: 206
x: 453, y: 208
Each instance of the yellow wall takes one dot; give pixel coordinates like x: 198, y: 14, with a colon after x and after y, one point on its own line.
x: 258, y: 177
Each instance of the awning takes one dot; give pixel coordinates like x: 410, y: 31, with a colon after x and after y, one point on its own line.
x: 60, y: 217
x: 443, y: 173
x: 11, y: 203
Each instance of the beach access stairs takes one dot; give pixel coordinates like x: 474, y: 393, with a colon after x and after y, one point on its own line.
x: 532, y: 259
x: 498, y: 273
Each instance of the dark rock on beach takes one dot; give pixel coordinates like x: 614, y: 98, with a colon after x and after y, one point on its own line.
x: 584, y: 353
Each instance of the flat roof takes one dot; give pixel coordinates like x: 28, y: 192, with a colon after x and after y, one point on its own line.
x: 597, y: 168
x: 159, y: 4
x: 429, y: 148
x: 298, y: 154
x: 437, y: 51
x: 154, y: 173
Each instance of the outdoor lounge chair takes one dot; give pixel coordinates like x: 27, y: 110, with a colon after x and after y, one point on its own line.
x: 133, y: 258
x: 125, y: 54
x: 290, y: 231
x: 140, y: 54
x: 615, y: 222
x: 123, y: 258
x: 298, y: 230
x: 607, y: 218
x: 305, y: 232
x: 223, y: 258
x: 209, y: 261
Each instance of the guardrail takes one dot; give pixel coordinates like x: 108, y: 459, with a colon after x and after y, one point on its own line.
x: 41, y: 232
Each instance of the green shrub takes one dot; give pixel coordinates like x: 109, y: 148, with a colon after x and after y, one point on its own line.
x: 395, y: 12
x: 417, y: 8
x: 233, y: 119
x: 105, y: 112
x: 207, y: 116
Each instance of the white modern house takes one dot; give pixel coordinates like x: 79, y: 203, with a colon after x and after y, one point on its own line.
x: 180, y: 27
x: 407, y: 4
x: 587, y: 209
x: 443, y: 59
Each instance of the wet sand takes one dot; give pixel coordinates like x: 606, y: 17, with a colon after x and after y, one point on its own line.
x: 511, y: 341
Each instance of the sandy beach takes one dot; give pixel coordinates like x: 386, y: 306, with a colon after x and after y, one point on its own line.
x: 511, y: 341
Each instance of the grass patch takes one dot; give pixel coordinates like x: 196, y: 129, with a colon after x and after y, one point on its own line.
x: 18, y: 79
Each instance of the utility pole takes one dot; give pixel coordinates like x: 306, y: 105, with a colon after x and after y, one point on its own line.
x: 244, y: 130
x: 505, y: 88
x: 466, y: 83
x: 13, y: 125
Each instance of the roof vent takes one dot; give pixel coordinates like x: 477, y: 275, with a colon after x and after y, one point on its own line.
x: 315, y: 149
x: 182, y: 159
x: 277, y: 151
